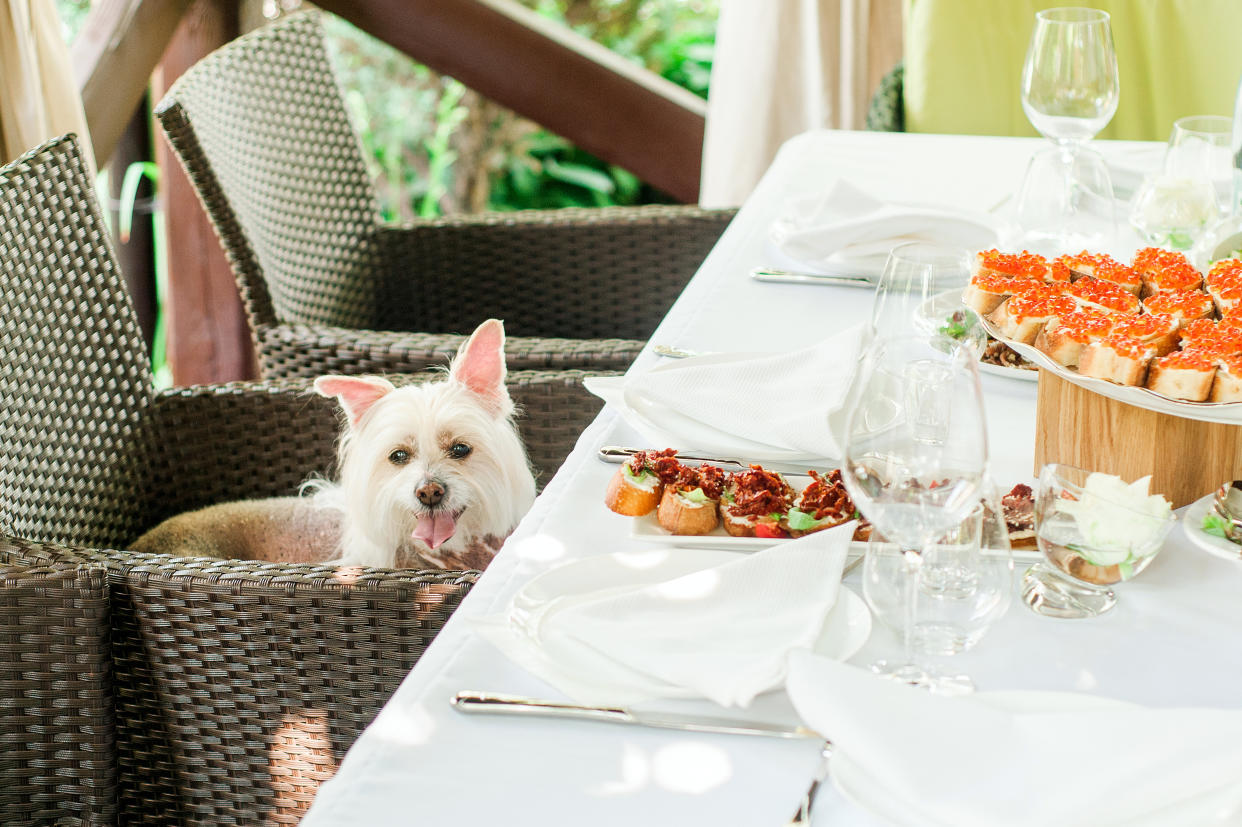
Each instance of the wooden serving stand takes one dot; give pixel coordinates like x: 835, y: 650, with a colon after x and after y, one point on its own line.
x: 1186, y: 458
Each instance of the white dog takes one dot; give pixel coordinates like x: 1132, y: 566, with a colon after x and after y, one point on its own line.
x: 431, y: 474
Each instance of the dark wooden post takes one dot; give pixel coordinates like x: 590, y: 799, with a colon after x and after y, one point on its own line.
x: 208, y: 335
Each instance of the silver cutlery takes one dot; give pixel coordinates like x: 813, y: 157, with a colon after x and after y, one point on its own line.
x: 802, y: 815
x: 674, y: 352
x: 773, y: 274
x: 1228, y: 504
x: 617, y: 454
x: 489, y: 703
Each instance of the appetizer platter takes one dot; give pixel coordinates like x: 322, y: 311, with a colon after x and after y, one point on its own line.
x: 703, y: 506
x: 1155, y: 333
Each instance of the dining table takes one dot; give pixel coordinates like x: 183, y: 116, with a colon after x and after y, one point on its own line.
x: 1172, y: 639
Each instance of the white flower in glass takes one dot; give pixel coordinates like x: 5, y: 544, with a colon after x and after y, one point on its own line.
x: 1118, y: 521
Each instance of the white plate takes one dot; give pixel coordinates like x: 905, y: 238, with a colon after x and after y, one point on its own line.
x: 666, y: 427
x: 1229, y: 413
x: 648, y: 528
x: 1192, y: 523
x: 875, y: 796
x: 845, y: 630
x: 1021, y: 374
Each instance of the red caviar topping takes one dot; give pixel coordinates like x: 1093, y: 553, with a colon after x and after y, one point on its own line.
x: 1175, y: 277
x: 1023, y: 265
x: 1035, y: 305
x: 1148, y: 326
x: 1127, y: 346
x: 1180, y: 303
x: 1086, y: 325
x: 1186, y: 359
x: 1104, y: 294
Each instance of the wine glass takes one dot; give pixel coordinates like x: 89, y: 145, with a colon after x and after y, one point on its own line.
x: 1070, y: 91
x: 965, y: 584
x: 1094, y: 531
x: 1176, y: 205
x: 920, y: 292
x: 915, y: 448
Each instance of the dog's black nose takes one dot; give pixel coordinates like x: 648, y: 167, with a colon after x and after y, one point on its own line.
x: 430, y: 493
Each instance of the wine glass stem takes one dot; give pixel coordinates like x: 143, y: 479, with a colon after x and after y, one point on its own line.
x: 913, y: 562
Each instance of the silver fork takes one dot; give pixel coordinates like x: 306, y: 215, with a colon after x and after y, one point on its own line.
x: 803, y: 814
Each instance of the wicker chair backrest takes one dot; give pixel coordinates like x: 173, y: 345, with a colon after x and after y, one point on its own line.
x: 75, y: 380
x: 261, y: 128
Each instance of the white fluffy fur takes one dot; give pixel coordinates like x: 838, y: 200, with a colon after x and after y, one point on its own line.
x: 491, y: 487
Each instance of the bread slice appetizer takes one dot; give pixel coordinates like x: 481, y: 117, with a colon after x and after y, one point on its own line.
x: 1119, y: 359
x: 1154, y: 329
x: 1064, y: 339
x: 1103, y: 295
x: 635, y: 489
x: 1022, y: 265
x: 824, y: 503
x: 1164, y: 270
x: 1103, y: 267
x: 986, y: 291
x: 1183, y: 374
x: 1018, y: 509
x: 1223, y: 270
x: 1020, y: 318
x: 689, y: 503
x: 754, y: 502
x: 1227, y: 386
x: 1184, y: 305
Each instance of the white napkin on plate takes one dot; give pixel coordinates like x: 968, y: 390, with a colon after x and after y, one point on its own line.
x: 846, y: 231
x: 1038, y: 758
x: 757, y: 406
x: 722, y: 633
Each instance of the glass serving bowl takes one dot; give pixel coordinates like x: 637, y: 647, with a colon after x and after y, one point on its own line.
x: 1094, y: 531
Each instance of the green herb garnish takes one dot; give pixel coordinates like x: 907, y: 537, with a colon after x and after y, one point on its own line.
x: 694, y: 495
x: 1215, y: 525
x: 799, y: 520
x: 956, y: 326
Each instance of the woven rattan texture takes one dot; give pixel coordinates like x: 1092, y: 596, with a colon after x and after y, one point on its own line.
x: 74, y: 377
x: 58, y: 761
x: 262, y: 131
x: 241, y: 684
x: 238, y: 685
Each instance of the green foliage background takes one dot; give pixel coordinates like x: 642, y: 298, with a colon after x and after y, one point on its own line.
x: 436, y: 148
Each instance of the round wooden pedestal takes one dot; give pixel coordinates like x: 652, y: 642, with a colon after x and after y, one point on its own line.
x: 1186, y: 458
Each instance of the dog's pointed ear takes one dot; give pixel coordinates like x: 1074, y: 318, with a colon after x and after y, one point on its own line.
x: 356, y: 393
x: 480, y: 365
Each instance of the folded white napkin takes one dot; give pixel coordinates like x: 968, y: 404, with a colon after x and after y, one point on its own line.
x: 1032, y: 758
x: 847, y: 231
x: 765, y: 406
x: 722, y: 633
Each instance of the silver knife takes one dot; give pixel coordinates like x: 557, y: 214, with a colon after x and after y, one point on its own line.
x: 792, y: 277
x: 488, y: 703
x: 617, y: 454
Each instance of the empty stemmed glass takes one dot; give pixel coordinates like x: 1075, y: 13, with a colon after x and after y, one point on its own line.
x: 920, y: 292
x: 915, y: 456
x: 1070, y: 91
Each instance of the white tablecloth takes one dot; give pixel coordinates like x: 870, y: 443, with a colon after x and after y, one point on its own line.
x: 1171, y: 640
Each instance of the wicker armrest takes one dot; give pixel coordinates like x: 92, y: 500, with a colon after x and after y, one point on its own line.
x: 58, y: 760
x: 292, y: 350
x: 574, y: 273
x: 239, y: 685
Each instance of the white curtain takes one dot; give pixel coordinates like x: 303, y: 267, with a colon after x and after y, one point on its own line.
x: 781, y: 67
x: 39, y: 97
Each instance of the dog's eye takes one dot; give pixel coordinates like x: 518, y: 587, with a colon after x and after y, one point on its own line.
x: 460, y: 450
x: 400, y: 456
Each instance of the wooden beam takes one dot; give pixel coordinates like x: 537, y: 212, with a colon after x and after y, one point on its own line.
x: 208, y: 335
x: 113, y: 56
x: 566, y: 82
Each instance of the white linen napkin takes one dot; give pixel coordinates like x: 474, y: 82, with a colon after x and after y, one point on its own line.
x: 974, y: 760
x: 722, y: 633
x: 755, y: 406
x: 846, y: 231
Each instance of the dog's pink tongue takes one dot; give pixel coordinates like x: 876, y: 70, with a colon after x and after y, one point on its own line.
x: 434, y: 529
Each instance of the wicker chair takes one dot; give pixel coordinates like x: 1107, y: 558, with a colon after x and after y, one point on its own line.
x: 261, y: 127
x: 239, y: 685
x: 57, y: 733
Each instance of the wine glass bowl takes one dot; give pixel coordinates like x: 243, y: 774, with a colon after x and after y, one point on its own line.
x: 1070, y: 86
x: 915, y: 455
x: 920, y: 292
x: 1070, y: 91
x: 1094, y: 532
